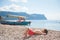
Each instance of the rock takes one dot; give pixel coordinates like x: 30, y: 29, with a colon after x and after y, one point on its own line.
x: 8, y: 32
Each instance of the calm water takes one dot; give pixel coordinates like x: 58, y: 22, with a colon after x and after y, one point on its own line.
x: 48, y: 24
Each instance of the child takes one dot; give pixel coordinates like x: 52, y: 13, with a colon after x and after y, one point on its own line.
x: 30, y: 32
x: 1, y: 18
x: 21, y: 19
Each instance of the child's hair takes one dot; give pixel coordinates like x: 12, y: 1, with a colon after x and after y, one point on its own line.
x: 45, y: 31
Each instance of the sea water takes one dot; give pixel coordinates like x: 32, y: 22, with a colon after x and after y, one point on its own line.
x: 48, y: 24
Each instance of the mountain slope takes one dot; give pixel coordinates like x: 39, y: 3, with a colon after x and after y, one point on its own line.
x: 30, y: 17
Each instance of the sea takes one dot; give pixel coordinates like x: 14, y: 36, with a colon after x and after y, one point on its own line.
x: 47, y: 24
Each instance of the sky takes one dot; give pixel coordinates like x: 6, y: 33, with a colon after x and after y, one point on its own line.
x: 50, y: 8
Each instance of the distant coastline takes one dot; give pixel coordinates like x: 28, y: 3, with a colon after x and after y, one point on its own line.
x: 29, y: 17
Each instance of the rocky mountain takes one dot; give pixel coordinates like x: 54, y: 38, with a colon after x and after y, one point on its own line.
x: 29, y: 16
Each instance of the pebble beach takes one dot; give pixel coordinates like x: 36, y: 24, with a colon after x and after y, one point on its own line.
x: 14, y: 32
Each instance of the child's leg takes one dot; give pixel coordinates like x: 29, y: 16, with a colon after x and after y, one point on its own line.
x: 24, y: 37
x: 39, y: 33
x: 25, y: 33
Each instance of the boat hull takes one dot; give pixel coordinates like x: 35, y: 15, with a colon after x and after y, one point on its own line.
x: 15, y: 23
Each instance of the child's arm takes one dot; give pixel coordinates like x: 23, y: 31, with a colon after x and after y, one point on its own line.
x: 43, y: 33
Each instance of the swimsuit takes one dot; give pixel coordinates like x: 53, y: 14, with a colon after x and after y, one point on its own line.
x: 30, y: 32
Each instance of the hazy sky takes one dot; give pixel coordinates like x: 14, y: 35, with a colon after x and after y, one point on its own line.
x: 51, y: 8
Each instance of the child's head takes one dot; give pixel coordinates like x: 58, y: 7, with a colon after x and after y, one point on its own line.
x: 45, y: 31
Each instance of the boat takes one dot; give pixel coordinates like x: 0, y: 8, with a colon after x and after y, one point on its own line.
x: 19, y: 22
x: 15, y: 23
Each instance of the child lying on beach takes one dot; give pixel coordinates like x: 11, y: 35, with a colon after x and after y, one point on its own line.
x: 30, y: 32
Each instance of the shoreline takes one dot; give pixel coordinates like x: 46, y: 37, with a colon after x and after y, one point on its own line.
x: 13, y: 32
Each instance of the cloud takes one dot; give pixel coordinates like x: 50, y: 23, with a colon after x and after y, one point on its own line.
x: 17, y: 8
x: 53, y: 16
x: 14, y: 8
x: 14, y: 0
x: 24, y: 1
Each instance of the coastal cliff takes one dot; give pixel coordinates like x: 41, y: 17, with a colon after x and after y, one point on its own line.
x: 29, y: 16
x: 14, y: 32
